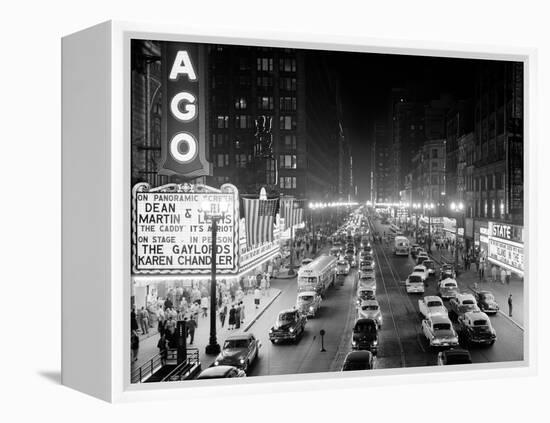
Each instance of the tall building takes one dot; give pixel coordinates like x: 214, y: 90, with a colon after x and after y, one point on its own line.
x: 428, y: 176
x: 382, y: 165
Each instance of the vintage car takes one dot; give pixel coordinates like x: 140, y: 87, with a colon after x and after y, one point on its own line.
x: 431, y: 305
x: 370, y: 258
x: 454, y: 356
x: 365, y: 335
x: 221, y: 372
x: 474, y: 328
x: 343, y: 267
x: 423, y: 256
x: 461, y: 304
x: 335, y: 251
x: 365, y: 293
x: 439, y: 331
x: 367, y: 278
x: 358, y: 360
x: 414, y: 284
x: 370, y: 309
x: 367, y: 271
x: 239, y: 350
x: 430, y: 265
x: 367, y: 282
x: 447, y: 271
x: 308, y: 303
x: 421, y: 270
x: 414, y: 250
x: 486, y: 302
x: 447, y: 288
x: 289, y: 326
x: 350, y: 258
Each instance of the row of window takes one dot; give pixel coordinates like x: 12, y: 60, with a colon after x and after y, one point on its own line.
x: 247, y: 122
x: 487, y: 182
x: 287, y: 104
x: 221, y: 140
x: 287, y: 182
x: 265, y: 64
x: 488, y: 209
x: 286, y: 161
x: 263, y: 82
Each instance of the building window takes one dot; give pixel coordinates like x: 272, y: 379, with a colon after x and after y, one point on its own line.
x: 288, y: 104
x: 287, y: 161
x: 287, y: 64
x: 493, y: 209
x: 244, y: 64
x: 434, y: 164
x: 289, y: 142
x: 265, y: 103
x: 287, y: 122
x: 219, y: 140
x: 222, y: 121
x: 222, y: 160
x: 243, y: 122
x: 287, y: 84
x: 265, y: 82
x: 241, y: 160
x: 434, y: 153
x: 244, y: 81
x: 485, y: 211
x: 264, y: 64
x: 501, y: 209
x: 287, y: 182
x: 240, y: 103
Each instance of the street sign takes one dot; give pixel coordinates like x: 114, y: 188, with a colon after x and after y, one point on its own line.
x: 172, y: 236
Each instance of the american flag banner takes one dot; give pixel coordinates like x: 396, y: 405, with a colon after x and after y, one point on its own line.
x: 297, y: 212
x: 259, y: 217
x: 286, y: 211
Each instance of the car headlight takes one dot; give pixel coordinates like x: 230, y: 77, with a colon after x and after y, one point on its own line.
x: 380, y: 318
x: 291, y: 330
x: 354, y: 342
x: 436, y: 341
x: 271, y: 330
x: 241, y: 360
x: 375, y: 342
x: 216, y: 363
x: 311, y: 308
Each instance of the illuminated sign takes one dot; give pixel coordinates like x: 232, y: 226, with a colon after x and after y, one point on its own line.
x: 184, y: 125
x: 172, y: 236
x: 505, y: 247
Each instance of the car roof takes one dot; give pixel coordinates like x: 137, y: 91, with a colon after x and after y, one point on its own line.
x: 369, y: 302
x: 365, y: 320
x: 215, y: 371
x: 432, y: 298
x: 448, y: 280
x: 419, y: 265
x: 456, y: 351
x: 287, y: 310
x: 358, y: 356
x: 476, y: 314
x: 440, y: 319
x: 304, y: 293
x: 239, y: 336
x: 465, y: 296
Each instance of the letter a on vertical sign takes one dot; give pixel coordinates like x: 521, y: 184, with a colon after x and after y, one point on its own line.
x: 184, y: 114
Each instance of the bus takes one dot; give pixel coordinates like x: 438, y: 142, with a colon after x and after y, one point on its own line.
x: 402, y: 246
x: 318, y: 275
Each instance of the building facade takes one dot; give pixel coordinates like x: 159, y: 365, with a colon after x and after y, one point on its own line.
x: 382, y: 165
x: 428, y: 176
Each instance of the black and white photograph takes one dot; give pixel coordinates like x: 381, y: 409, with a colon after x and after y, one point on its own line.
x: 300, y: 211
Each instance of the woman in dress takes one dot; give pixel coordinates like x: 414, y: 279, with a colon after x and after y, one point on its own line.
x: 231, y: 321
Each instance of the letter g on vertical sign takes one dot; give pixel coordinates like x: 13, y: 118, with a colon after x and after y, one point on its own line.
x: 183, y: 142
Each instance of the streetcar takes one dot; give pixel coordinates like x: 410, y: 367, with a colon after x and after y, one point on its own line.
x: 401, y: 246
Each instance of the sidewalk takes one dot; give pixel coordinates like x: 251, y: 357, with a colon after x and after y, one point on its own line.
x: 469, y: 278
x: 148, y: 343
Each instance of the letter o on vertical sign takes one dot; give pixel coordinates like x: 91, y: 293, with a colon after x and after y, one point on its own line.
x: 192, y: 148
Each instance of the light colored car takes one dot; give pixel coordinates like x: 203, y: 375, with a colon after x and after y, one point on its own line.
x: 343, y: 267
x: 432, y: 305
x: 439, y: 331
x: 221, y: 372
x: 447, y: 288
x: 414, y: 284
x: 365, y: 293
x: 461, y: 304
x: 422, y: 271
x: 370, y: 309
x: 430, y: 265
x: 308, y: 303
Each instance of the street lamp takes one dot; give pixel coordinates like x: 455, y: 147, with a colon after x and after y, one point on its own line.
x: 213, y: 211
x: 429, y: 207
x: 459, y: 209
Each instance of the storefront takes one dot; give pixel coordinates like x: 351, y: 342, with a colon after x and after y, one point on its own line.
x: 481, y: 240
x: 505, y: 246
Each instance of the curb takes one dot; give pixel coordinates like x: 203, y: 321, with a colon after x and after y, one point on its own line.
x: 503, y: 314
x: 248, y: 326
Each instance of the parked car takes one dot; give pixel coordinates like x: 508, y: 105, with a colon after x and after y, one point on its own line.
x: 350, y: 258
x: 308, y: 303
x: 365, y: 293
x: 358, y: 360
x: 370, y: 309
x: 447, y: 288
x: 486, y: 302
x: 221, y: 372
x: 422, y: 271
x: 431, y: 306
x: 439, y: 331
x: 366, y: 271
x: 430, y: 265
x: 289, y: 326
x: 454, y: 356
x: 447, y: 271
x: 343, y: 267
x: 461, y: 304
x: 335, y: 251
x: 414, y: 250
x: 421, y: 258
x: 414, y: 284
x: 474, y: 327
x: 239, y: 350
x: 365, y: 335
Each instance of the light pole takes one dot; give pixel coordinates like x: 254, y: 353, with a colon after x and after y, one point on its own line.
x: 416, y: 208
x: 429, y: 207
x: 458, y: 209
x: 213, y: 213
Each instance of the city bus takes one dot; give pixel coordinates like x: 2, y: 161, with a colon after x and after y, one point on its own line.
x: 318, y: 275
x: 402, y: 246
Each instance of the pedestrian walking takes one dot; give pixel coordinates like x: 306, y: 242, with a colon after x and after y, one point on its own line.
x: 494, y: 273
x: 510, y: 305
x: 503, y: 276
x: 231, y: 321
x: 237, y: 316
x: 170, y: 330
x: 223, y: 313
x: 204, y: 306
x: 191, y: 325
x: 163, y: 349
x: 134, y: 344
x: 144, y: 320
x: 257, y: 295
x: 242, y: 313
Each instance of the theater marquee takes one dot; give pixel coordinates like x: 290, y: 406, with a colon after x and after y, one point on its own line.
x: 505, y: 243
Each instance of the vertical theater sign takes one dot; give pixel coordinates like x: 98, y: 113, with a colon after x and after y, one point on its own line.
x: 505, y: 243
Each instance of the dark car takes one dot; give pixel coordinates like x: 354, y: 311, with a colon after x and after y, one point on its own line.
x: 290, y: 325
x: 358, y: 360
x: 474, y: 328
x: 221, y: 372
x: 486, y: 302
x: 239, y: 350
x: 454, y: 356
x: 365, y: 335
x: 446, y: 271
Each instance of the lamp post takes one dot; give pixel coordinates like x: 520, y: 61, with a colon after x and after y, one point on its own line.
x: 458, y: 209
x: 416, y: 208
x: 429, y: 207
x: 213, y: 213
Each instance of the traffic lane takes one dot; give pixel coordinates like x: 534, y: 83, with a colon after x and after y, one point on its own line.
x: 305, y: 355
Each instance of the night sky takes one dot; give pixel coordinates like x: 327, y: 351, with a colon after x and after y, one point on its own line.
x: 366, y: 81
